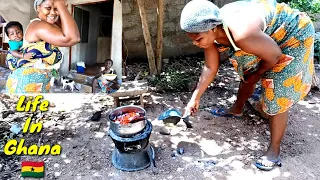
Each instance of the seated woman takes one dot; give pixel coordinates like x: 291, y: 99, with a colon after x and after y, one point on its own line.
x: 106, y: 85
x: 54, y: 27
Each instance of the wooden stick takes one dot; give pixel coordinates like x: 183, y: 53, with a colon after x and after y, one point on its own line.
x: 147, y: 38
x: 159, y: 35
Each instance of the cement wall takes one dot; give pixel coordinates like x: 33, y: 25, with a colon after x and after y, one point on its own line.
x: 104, y: 49
x: 317, y: 24
x: 175, y: 41
x: 16, y: 10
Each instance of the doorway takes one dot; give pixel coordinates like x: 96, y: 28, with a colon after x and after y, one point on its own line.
x: 94, y: 21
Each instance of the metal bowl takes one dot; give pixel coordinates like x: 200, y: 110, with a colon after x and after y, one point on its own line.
x: 126, y: 130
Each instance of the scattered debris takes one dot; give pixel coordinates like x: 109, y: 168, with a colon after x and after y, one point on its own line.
x: 180, y: 151
x: 15, y: 128
x: 57, y: 174
x: 96, y: 116
x: 5, y: 114
x: 268, y: 132
x: 165, y: 130
x: 174, y: 154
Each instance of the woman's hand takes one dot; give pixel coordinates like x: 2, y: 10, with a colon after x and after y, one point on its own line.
x: 64, y: 33
x: 60, y: 1
x: 192, y: 106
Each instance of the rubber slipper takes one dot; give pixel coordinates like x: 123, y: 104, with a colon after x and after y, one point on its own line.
x: 264, y: 159
x: 256, y: 94
x: 222, y: 113
x: 255, y: 97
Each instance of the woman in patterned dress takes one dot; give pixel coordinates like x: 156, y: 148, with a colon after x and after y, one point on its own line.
x: 268, y: 41
x: 54, y: 27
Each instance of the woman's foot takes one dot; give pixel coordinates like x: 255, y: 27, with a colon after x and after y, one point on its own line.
x: 232, y: 112
x: 269, y: 160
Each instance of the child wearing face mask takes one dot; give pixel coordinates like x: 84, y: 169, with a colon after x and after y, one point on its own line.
x: 14, y: 32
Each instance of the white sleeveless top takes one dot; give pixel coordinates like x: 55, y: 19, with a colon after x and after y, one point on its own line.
x: 229, y: 9
x: 40, y: 64
x: 25, y: 42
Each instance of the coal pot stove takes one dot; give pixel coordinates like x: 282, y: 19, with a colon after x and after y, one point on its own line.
x: 133, y: 153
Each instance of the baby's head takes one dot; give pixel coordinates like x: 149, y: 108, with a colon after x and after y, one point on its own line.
x: 14, y: 31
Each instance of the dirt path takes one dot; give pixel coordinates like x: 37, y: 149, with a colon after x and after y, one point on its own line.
x: 216, y: 148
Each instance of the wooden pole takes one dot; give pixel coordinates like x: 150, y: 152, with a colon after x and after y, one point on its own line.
x: 159, y: 35
x: 147, y: 38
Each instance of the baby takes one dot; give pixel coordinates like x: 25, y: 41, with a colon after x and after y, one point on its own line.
x: 14, y: 32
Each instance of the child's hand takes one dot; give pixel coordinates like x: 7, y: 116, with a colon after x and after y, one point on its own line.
x: 27, y: 56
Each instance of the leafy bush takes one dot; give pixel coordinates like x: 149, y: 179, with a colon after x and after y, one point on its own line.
x: 311, y: 7
x: 175, y: 80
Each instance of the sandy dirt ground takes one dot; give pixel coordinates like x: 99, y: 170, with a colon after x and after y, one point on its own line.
x: 215, y: 148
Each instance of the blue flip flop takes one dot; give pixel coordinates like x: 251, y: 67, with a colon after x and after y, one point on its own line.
x: 222, y: 113
x: 256, y: 94
x: 274, y: 162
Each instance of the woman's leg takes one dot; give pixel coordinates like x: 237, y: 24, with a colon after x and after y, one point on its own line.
x: 278, y: 124
x: 245, y: 91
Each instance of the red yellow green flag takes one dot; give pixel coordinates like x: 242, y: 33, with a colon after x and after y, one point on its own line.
x: 32, y: 169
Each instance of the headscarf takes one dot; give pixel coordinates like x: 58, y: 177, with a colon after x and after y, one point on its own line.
x: 199, y: 16
x: 37, y: 3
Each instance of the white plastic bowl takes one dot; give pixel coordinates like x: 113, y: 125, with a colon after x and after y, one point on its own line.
x: 109, y: 77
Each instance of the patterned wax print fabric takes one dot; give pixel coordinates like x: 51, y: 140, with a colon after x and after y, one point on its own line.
x: 290, y: 79
x: 33, y: 75
x: 106, y: 86
x: 13, y: 46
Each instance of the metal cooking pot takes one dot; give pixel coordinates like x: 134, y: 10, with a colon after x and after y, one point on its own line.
x: 131, y: 128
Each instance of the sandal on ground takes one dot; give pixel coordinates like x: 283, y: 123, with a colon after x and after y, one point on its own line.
x: 223, y: 113
x: 267, y: 164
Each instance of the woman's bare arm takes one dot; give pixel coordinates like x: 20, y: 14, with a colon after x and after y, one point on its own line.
x: 210, y: 69
x: 67, y: 36
x: 263, y: 46
x: 249, y: 37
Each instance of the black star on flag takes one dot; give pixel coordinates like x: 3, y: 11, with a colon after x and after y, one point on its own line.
x: 32, y: 169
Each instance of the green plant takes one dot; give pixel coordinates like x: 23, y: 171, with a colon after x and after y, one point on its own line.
x: 311, y: 7
x: 175, y: 80
x: 55, y: 73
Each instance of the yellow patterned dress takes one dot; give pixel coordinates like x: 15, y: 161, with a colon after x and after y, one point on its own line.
x: 33, y: 75
x: 290, y: 79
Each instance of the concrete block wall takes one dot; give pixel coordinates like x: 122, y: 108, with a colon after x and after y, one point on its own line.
x: 317, y: 24
x: 175, y: 41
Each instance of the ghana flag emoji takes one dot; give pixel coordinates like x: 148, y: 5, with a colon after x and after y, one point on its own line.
x: 32, y: 169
